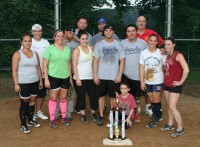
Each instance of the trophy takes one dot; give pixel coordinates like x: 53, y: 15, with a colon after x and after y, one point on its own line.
x: 115, y: 138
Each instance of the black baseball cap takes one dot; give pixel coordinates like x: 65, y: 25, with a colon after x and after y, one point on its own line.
x: 106, y: 27
x: 70, y: 28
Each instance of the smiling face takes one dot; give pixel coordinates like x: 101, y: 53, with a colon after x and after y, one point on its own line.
x: 69, y: 35
x: 169, y: 46
x: 108, y: 33
x: 131, y: 32
x: 59, y: 38
x: 124, y: 89
x: 84, y: 40
x: 26, y: 42
x: 141, y: 22
x: 37, y: 34
x: 153, y: 41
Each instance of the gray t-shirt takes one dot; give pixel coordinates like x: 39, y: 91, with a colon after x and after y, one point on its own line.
x: 132, y: 53
x: 98, y: 37
x: 109, y: 54
x: 72, y: 45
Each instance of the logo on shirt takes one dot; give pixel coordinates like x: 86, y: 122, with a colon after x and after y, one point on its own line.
x: 109, y: 50
x: 129, y: 51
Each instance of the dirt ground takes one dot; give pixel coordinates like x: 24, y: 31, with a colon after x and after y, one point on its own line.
x: 91, y: 135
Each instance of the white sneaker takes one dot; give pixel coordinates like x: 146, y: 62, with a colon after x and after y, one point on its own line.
x: 139, y: 110
x: 149, y: 112
x: 40, y: 115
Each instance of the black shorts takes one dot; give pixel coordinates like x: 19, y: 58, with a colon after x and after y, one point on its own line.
x: 57, y: 83
x: 107, y: 87
x: 176, y: 89
x: 30, y: 89
x: 42, y: 92
x: 134, y: 86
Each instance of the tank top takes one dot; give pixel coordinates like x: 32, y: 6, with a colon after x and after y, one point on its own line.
x: 27, y: 70
x: 84, y: 65
x: 173, y: 70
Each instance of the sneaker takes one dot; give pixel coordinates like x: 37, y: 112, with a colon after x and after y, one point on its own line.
x: 167, y: 128
x: 152, y: 124
x: 69, y: 116
x: 178, y: 133
x: 40, y: 115
x: 149, y: 111
x: 139, y: 110
x: 34, y: 117
x: 25, y: 129
x: 93, y: 117
x: 77, y: 111
x: 53, y: 124
x: 100, y: 121
x: 33, y: 124
x: 84, y: 119
x: 65, y: 121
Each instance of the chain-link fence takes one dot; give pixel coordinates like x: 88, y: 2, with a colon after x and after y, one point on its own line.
x: 17, y: 17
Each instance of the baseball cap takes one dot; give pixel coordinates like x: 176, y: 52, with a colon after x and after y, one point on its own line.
x: 101, y: 20
x: 36, y: 26
x: 106, y: 27
x: 70, y: 28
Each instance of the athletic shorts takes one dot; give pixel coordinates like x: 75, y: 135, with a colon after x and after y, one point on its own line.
x: 42, y: 92
x: 154, y: 88
x: 135, y: 89
x: 107, y: 87
x: 30, y: 89
x: 57, y: 83
x: 176, y: 89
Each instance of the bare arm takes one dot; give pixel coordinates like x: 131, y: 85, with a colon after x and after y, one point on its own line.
x: 45, y: 69
x: 142, y: 77
x: 15, y: 63
x: 39, y: 71
x: 185, y: 67
x: 75, y: 57
x: 128, y: 120
x: 95, y: 70
x: 121, y: 68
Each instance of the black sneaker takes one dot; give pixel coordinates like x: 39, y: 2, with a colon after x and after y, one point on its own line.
x: 33, y: 124
x: 93, y: 117
x: 178, y: 133
x: 167, y: 128
x: 100, y: 121
x: 84, y: 119
x: 152, y: 124
x: 25, y: 129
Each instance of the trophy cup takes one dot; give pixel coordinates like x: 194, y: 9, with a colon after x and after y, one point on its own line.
x: 115, y: 138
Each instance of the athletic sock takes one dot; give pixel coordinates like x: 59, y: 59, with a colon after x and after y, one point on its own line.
x: 52, y: 108
x: 154, y: 116
x: 63, y: 107
x: 23, y: 111
x: 31, y: 112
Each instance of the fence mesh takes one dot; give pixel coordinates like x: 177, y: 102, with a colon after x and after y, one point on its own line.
x: 17, y: 17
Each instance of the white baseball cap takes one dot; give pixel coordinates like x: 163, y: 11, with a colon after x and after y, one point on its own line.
x: 36, y: 26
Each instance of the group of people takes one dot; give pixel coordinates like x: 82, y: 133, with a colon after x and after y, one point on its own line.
x: 98, y: 66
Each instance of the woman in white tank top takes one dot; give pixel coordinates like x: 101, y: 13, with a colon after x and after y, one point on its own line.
x: 83, y: 75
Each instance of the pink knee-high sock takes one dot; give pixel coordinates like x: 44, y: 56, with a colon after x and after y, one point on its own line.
x: 52, y: 108
x: 63, y: 107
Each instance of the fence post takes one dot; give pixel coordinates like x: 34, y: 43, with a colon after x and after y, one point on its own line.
x: 169, y: 18
x: 56, y: 11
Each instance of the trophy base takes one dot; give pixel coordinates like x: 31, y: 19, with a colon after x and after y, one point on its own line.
x: 118, y: 141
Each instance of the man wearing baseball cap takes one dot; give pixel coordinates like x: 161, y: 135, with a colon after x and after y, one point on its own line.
x: 108, y: 54
x: 98, y: 37
x: 39, y: 45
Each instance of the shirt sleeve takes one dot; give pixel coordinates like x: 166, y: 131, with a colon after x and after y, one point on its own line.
x: 96, y: 52
x: 141, y: 58
x: 132, y: 102
x: 47, y: 54
x: 121, y: 50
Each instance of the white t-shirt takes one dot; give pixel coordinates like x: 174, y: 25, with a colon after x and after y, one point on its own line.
x: 153, y: 62
x: 39, y: 47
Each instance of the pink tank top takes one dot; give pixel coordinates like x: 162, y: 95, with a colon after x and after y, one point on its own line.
x: 173, y: 70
